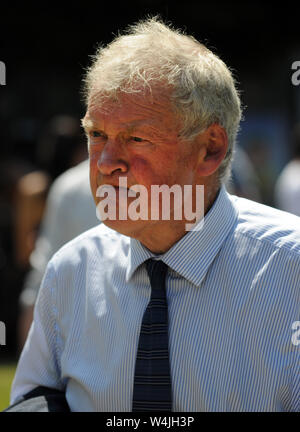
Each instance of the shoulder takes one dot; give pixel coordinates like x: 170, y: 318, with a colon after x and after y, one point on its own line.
x: 70, y: 206
x: 72, y: 180
x: 98, y: 244
x: 268, y: 225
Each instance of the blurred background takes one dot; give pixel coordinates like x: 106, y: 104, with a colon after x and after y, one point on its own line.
x: 45, y: 50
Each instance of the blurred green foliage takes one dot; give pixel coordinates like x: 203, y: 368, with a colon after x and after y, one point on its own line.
x: 7, y: 372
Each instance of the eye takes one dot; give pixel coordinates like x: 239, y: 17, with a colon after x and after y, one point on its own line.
x: 136, y: 139
x: 97, y: 134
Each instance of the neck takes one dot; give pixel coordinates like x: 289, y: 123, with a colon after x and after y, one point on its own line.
x: 161, y: 236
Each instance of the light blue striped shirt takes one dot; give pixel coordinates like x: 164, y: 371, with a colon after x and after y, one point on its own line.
x: 233, y: 290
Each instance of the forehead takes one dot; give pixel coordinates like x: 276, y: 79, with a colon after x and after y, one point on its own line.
x: 131, y: 110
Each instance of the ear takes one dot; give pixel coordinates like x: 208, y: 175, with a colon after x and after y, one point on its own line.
x: 212, y: 144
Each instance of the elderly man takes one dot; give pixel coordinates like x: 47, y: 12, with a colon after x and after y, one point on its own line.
x: 152, y: 313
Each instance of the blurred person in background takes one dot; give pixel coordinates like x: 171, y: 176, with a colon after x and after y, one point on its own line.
x: 243, y: 180
x: 70, y: 210
x: 60, y: 145
x: 258, y: 151
x: 30, y: 199
x: 287, y: 187
x: 42, y: 152
x: 12, y: 268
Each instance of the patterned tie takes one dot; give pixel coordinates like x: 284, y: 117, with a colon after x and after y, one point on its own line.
x: 152, y: 380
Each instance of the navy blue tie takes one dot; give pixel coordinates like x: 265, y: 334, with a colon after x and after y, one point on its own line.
x: 152, y: 381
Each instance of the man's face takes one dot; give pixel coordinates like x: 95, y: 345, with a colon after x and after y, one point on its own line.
x: 137, y: 138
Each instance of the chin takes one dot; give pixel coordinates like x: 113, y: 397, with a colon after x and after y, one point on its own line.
x: 125, y: 227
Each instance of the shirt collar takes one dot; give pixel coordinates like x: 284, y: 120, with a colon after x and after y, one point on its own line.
x: 192, y: 255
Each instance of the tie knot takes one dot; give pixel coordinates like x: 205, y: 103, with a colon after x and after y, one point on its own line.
x: 157, y: 271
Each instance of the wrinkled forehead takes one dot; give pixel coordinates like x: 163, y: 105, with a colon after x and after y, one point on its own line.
x: 158, y: 93
x: 155, y: 104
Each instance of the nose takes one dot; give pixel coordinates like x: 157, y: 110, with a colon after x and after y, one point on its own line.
x: 110, y: 160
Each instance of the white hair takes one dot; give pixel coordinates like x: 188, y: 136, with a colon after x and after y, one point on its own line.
x: 203, y: 89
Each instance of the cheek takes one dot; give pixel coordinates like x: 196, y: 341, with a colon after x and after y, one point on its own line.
x: 139, y: 166
x: 94, y: 156
x: 93, y: 173
x: 158, y: 170
x: 93, y: 167
x: 146, y: 172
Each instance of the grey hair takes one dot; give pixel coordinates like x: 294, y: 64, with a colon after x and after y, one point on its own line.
x: 202, y: 87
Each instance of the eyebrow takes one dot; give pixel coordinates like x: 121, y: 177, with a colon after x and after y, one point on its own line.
x: 87, y: 124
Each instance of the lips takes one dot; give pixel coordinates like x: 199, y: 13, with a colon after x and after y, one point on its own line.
x: 115, y: 183
x: 114, y: 186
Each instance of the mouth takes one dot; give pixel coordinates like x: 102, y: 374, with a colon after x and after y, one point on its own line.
x: 109, y: 191
x: 117, y: 184
x: 116, y: 188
